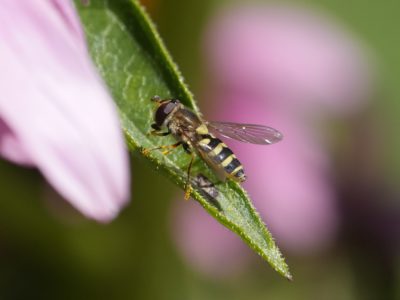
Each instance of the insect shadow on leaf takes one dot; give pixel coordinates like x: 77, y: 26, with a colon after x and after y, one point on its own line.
x: 207, y: 189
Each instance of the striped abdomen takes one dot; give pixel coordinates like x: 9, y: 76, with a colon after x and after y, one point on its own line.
x: 219, y: 154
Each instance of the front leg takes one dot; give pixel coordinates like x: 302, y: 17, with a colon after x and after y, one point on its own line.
x: 157, y: 131
x: 166, y: 149
x: 187, y: 148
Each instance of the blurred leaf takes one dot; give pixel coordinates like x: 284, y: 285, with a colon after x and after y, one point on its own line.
x: 136, y: 66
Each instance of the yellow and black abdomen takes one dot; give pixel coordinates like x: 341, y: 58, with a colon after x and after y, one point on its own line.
x: 219, y: 156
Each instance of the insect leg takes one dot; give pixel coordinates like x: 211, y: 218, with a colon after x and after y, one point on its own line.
x: 186, y: 147
x: 157, y: 131
x: 166, y: 148
x: 188, y: 187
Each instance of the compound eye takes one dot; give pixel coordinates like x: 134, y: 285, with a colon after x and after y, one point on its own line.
x: 163, y: 111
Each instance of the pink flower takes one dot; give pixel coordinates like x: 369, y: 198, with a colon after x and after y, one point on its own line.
x: 55, y: 112
x: 283, y: 67
x: 298, y: 56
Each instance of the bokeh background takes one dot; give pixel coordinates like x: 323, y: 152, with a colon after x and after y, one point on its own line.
x: 327, y: 74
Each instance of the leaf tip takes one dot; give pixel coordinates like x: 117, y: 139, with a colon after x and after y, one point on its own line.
x: 289, y: 277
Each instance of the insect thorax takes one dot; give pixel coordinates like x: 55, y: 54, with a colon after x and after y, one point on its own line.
x: 183, y: 125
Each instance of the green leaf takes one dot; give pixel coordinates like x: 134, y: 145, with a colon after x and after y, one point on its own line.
x: 136, y: 66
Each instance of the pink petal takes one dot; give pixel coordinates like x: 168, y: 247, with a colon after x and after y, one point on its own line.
x: 57, y: 108
x: 292, y: 51
x: 11, y: 148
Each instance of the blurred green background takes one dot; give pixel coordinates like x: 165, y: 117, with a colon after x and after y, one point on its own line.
x: 48, y: 251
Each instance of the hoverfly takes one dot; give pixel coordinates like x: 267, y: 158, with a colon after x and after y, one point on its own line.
x: 197, y: 137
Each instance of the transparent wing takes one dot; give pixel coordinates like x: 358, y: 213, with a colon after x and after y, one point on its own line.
x: 248, y: 133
